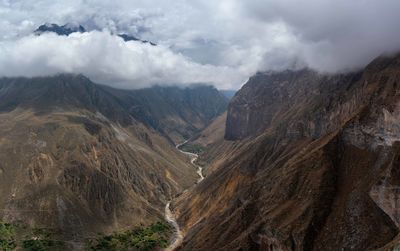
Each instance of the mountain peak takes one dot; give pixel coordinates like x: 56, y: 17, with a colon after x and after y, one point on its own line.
x: 64, y: 30
x: 72, y: 27
x: 128, y: 38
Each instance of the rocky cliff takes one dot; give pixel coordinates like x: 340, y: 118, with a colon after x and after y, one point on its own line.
x: 314, y: 168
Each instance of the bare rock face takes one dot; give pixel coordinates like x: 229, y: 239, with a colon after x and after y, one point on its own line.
x: 274, y: 97
x: 314, y: 166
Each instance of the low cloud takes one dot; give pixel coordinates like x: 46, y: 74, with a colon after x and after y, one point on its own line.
x: 219, y: 42
x: 331, y: 35
x: 107, y: 59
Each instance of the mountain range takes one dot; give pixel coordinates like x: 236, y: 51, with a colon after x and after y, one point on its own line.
x: 294, y: 160
x: 83, y: 158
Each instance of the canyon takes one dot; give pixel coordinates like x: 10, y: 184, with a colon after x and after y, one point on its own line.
x: 199, y: 125
x: 297, y: 160
x: 308, y: 162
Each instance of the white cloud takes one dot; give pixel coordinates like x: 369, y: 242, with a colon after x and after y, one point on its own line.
x: 107, y: 59
x: 222, y: 42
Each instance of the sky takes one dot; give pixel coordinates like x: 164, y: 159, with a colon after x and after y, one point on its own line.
x: 222, y: 42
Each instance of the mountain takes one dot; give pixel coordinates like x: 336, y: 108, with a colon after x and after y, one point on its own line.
x: 127, y: 38
x: 174, y: 112
x: 177, y: 113
x: 81, y: 158
x: 64, y: 30
x: 312, y: 165
x: 228, y: 93
x: 69, y: 28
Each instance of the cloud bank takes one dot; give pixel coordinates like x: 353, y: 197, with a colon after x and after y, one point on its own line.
x: 107, y: 59
x: 218, y: 42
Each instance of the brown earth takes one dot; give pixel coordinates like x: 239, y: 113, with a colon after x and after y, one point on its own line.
x: 81, y: 158
x: 81, y: 173
x: 314, y: 165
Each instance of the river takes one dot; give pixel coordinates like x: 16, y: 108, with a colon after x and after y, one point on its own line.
x: 169, y: 215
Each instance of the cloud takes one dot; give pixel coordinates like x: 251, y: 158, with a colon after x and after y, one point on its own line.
x: 333, y: 35
x: 107, y: 59
x: 220, y: 42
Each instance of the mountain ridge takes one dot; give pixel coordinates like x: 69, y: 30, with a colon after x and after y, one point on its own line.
x: 151, y: 106
x: 77, y: 159
x: 69, y: 28
x: 311, y: 167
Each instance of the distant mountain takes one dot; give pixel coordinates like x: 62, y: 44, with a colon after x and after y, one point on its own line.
x: 127, y: 38
x: 228, y: 93
x: 80, y: 158
x: 69, y: 28
x: 64, y: 30
x: 173, y: 111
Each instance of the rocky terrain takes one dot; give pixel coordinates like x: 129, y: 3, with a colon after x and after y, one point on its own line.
x: 312, y: 165
x: 83, y: 158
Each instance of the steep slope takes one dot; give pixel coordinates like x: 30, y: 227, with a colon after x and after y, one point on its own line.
x: 315, y: 167
x: 76, y: 157
x: 212, y: 133
x: 174, y: 112
x: 177, y: 113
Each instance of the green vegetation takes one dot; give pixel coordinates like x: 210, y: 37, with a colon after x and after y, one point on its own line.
x: 149, y: 238
x: 20, y: 237
x: 42, y: 244
x: 7, y: 237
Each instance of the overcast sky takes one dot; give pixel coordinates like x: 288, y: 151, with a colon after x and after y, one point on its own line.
x: 221, y: 42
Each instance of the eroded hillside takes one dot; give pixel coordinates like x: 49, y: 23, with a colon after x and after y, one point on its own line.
x: 79, y: 158
x: 314, y: 167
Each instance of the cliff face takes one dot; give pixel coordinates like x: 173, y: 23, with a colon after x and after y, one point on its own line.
x: 78, y: 158
x: 314, y: 168
x: 273, y: 99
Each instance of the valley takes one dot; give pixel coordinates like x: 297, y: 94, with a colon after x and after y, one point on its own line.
x: 293, y: 157
x: 169, y: 215
x: 199, y: 125
x: 83, y: 159
x: 305, y: 164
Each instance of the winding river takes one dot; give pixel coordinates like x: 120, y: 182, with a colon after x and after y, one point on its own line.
x: 169, y: 215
